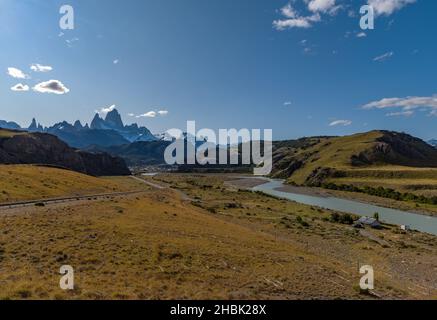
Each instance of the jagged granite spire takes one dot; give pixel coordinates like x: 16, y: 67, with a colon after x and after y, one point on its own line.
x: 33, y: 126
x: 78, y: 125
x: 97, y: 122
x: 113, y: 120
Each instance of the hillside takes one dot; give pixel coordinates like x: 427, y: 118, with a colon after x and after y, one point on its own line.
x: 314, y: 160
x: 228, y: 244
x: 28, y: 182
x: 17, y: 147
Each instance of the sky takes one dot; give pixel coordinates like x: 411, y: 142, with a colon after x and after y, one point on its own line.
x: 299, y: 67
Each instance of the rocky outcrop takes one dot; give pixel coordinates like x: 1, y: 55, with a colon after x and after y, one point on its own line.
x: 318, y: 176
x: 46, y: 149
x: 397, y: 149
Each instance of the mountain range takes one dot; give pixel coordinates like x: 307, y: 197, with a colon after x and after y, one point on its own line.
x: 433, y: 142
x: 106, y: 132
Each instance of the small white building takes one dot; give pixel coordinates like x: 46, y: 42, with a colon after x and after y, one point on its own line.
x: 405, y: 227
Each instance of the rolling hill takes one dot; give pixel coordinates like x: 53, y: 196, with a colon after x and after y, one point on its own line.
x: 311, y: 161
x: 30, y: 182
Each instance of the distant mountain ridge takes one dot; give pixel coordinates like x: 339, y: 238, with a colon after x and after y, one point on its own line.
x: 9, y: 125
x: 106, y: 132
x: 433, y: 142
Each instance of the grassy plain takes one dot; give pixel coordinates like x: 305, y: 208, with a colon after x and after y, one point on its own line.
x: 26, y: 182
x: 205, y: 239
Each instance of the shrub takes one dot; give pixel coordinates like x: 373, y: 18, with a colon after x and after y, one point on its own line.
x: 302, y: 222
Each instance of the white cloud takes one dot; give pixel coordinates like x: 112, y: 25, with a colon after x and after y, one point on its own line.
x: 40, y: 68
x: 298, y: 22
x: 51, y: 86
x: 400, y: 114
x: 340, y: 123
x: 20, y: 87
x: 384, y: 57
x: 406, y: 104
x: 17, y: 73
x: 103, y: 111
x: 288, y: 11
x: 325, y: 6
x: 387, y: 7
x: 116, y: 61
x: 70, y: 42
x: 287, y: 103
x: 293, y: 19
x: 150, y: 114
x: 131, y: 115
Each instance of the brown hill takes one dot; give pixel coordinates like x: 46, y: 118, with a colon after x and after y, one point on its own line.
x: 39, y: 148
x: 311, y: 160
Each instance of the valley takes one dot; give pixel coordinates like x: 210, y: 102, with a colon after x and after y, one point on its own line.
x: 194, y: 234
x: 197, y: 237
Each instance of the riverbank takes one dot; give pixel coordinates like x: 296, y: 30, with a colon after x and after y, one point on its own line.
x: 323, y: 199
x: 422, y: 209
x: 397, y: 256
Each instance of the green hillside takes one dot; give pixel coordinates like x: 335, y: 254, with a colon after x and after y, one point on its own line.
x: 376, y: 158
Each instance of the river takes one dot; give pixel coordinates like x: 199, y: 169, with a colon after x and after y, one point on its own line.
x: 415, y: 221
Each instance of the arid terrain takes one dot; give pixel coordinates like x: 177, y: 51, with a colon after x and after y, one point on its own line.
x: 197, y: 237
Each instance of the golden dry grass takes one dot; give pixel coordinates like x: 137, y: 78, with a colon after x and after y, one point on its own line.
x: 26, y: 182
x: 224, y: 244
x: 9, y: 133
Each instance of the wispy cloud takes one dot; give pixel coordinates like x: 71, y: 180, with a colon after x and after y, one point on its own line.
x: 340, y: 123
x: 40, y: 68
x: 150, y: 114
x: 287, y: 103
x: 51, y: 86
x: 20, y: 87
x: 291, y: 18
x: 17, y: 73
x: 70, y: 42
x: 361, y: 35
x: 384, y: 57
x: 153, y: 114
x: 324, y: 6
x: 388, y: 7
x: 407, y: 104
x: 400, y: 114
x: 116, y: 61
x: 105, y: 110
x: 316, y: 10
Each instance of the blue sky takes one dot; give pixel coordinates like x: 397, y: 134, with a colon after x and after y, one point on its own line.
x: 299, y: 67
